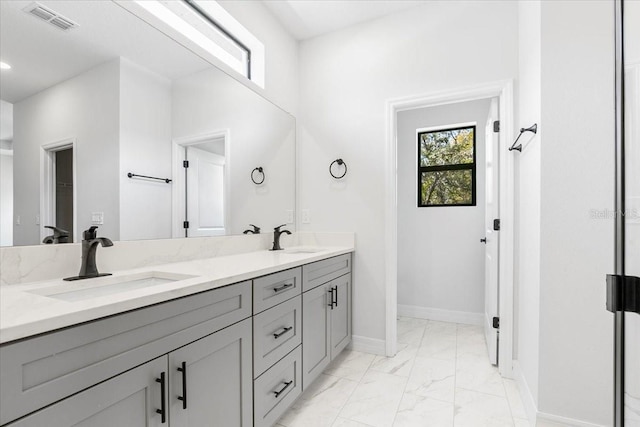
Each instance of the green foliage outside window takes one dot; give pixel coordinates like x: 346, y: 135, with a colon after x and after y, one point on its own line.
x: 446, y: 165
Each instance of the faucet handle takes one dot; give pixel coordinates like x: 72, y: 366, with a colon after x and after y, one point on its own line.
x: 90, y: 234
x: 256, y: 229
x: 278, y: 227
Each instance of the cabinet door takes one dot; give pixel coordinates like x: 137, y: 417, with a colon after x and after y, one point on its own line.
x: 316, y: 348
x: 341, y: 314
x: 211, y: 380
x: 129, y: 399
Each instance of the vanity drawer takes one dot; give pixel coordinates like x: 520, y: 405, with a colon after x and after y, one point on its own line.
x: 317, y: 273
x: 276, y: 389
x: 41, y: 370
x: 276, y: 332
x: 275, y: 288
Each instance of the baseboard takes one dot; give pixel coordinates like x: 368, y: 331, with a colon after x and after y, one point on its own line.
x: 367, y: 345
x: 528, y: 401
x: 530, y: 406
x: 441, y: 315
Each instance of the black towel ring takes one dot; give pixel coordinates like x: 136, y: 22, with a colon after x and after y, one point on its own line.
x: 260, y: 171
x: 340, y: 162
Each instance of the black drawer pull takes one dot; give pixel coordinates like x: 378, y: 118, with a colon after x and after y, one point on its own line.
x: 163, y: 410
x: 283, y: 287
x: 331, y: 300
x: 183, y: 398
x: 284, y: 331
x: 286, y: 385
x: 335, y: 288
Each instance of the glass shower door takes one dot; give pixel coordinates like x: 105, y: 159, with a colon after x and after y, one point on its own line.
x: 631, y: 69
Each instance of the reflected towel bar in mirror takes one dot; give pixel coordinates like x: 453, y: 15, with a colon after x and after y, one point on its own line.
x: 133, y: 175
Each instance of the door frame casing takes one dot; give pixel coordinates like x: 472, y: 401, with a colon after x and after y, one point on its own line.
x: 504, y: 91
x: 47, y: 184
x: 178, y: 199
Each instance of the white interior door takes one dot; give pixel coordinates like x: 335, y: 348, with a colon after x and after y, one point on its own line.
x: 491, y: 235
x: 205, y: 193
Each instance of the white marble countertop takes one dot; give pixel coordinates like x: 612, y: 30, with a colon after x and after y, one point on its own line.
x: 25, y: 311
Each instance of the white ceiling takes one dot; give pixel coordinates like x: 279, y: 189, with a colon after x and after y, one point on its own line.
x: 305, y: 19
x: 41, y: 55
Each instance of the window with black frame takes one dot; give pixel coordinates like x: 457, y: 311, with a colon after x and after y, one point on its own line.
x: 447, y: 167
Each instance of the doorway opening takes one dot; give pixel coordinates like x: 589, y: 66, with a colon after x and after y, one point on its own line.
x: 58, y: 189
x: 476, y: 237
x: 201, y: 190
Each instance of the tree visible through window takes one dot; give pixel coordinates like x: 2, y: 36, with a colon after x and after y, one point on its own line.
x: 447, y: 167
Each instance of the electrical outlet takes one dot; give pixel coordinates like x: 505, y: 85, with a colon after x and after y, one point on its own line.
x: 306, y: 216
x: 18, y: 220
x: 290, y: 217
x: 97, y: 218
x: 37, y: 219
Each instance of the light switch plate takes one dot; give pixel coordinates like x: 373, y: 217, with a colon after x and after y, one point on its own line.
x: 306, y: 216
x: 290, y: 216
x: 97, y: 218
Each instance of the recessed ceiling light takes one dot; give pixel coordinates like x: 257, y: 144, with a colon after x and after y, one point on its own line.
x: 5, y: 66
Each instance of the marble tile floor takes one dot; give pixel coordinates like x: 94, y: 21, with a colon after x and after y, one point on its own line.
x: 441, y: 376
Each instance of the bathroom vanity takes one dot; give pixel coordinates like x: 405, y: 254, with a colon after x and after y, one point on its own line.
x: 229, y: 341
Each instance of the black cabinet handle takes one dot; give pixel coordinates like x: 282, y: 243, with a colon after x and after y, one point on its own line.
x: 483, y: 240
x: 284, y: 331
x: 286, y: 385
x: 283, y: 287
x: 335, y: 288
x: 163, y: 409
x: 331, y: 299
x: 183, y: 398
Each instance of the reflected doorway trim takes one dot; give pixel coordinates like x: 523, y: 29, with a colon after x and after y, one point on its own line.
x: 504, y: 91
x: 47, y: 185
x: 178, y: 198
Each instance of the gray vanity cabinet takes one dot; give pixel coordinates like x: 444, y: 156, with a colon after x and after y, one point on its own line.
x: 210, y: 380
x: 130, y: 399
x: 326, y: 314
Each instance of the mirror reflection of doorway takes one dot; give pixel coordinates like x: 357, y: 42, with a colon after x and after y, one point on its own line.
x: 63, y: 198
x: 205, y: 189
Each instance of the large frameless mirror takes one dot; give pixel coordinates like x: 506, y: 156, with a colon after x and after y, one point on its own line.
x: 100, y: 114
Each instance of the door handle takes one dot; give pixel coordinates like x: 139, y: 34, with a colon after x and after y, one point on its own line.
x: 335, y: 288
x: 331, y: 299
x: 183, y: 398
x: 163, y: 409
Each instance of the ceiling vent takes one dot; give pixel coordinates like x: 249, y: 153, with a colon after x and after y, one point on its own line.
x: 48, y: 15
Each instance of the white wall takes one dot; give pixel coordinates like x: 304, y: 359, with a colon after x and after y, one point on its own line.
x: 145, y: 149
x: 281, y: 51
x: 86, y: 108
x: 440, y: 257
x: 6, y: 197
x: 566, y: 172
x: 261, y: 134
x: 527, y: 191
x: 345, y: 79
x: 576, y: 340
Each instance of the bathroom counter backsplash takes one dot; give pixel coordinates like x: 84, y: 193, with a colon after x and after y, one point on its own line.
x: 26, y: 311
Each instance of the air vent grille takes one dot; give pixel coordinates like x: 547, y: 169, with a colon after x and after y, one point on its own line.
x: 48, y: 15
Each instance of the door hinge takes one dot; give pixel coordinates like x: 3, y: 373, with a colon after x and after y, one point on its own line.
x: 496, y: 126
x: 496, y: 323
x: 623, y: 293
x: 185, y: 163
x: 185, y: 224
x: 496, y: 225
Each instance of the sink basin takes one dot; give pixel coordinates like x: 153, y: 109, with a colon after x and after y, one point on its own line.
x: 303, y: 250
x: 109, y: 285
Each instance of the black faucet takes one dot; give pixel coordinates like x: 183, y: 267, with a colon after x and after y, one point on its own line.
x: 59, y: 236
x: 256, y: 230
x: 89, y: 247
x: 276, y: 237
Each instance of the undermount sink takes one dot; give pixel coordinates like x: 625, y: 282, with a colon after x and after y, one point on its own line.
x: 109, y: 285
x: 303, y: 250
